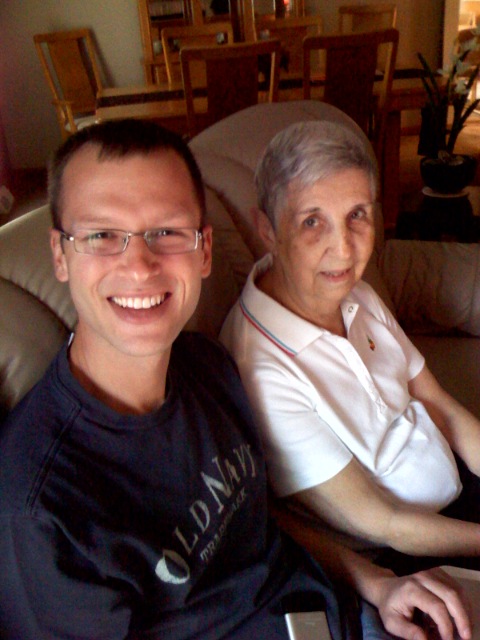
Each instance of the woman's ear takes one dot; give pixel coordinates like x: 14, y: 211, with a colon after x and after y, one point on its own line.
x: 264, y: 228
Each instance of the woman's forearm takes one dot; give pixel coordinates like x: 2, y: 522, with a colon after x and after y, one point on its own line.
x: 430, y: 534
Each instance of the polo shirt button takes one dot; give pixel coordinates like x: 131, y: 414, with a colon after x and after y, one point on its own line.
x: 350, y: 309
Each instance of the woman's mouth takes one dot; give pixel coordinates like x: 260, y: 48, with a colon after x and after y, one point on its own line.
x: 336, y: 274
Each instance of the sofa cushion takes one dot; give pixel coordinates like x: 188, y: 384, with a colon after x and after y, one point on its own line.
x: 37, y: 311
x: 244, y: 135
x: 455, y: 362
x: 25, y: 260
x: 31, y: 336
x: 231, y: 265
x: 435, y: 286
x: 220, y: 173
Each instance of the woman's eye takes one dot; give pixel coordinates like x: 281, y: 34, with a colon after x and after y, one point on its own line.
x: 310, y: 222
x: 358, y: 214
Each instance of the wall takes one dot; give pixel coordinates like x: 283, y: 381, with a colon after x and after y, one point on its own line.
x: 28, y: 117
x: 419, y: 23
x: 25, y: 102
x: 472, y: 10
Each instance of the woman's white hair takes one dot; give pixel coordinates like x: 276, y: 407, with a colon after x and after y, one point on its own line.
x: 307, y: 152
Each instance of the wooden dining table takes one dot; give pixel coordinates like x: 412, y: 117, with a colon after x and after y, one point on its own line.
x: 164, y: 103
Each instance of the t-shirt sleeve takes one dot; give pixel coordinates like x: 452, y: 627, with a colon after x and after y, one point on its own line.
x: 48, y: 590
x: 301, y: 449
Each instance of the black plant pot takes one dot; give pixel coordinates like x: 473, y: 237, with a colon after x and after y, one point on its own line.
x: 443, y: 177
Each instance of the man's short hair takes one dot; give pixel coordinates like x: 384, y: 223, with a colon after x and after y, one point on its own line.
x: 119, y: 139
x: 306, y: 152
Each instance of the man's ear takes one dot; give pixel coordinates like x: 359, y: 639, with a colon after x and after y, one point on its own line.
x: 264, y: 228
x: 59, y: 262
x: 207, y: 243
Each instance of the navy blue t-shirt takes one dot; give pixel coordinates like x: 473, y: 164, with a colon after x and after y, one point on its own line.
x: 115, y: 526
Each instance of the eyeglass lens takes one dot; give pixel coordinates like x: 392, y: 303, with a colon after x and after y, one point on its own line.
x: 113, y: 241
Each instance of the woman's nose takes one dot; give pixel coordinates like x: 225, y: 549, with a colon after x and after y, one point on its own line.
x: 341, y: 241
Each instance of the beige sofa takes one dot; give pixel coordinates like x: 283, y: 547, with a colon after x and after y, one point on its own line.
x: 431, y: 286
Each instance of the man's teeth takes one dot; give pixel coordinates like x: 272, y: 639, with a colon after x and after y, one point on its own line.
x: 146, y: 302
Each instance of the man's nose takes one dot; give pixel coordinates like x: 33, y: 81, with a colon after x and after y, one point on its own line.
x: 138, y: 257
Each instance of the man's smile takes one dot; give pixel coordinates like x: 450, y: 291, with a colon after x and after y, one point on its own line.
x: 139, y: 302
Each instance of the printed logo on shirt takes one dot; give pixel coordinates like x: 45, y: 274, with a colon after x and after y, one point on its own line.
x: 371, y: 343
x: 227, y: 495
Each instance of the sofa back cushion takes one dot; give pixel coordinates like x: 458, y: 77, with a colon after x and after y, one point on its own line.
x: 37, y: 311
x: 435, y: 286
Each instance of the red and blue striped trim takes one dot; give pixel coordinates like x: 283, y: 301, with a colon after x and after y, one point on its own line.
x: 265, y: 332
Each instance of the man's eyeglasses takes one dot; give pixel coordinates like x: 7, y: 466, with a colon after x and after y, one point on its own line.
x: 109, y: 242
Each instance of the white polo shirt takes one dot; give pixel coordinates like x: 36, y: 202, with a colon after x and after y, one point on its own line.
x: 321, y: 399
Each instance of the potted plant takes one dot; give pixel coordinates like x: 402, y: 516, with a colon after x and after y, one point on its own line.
x: 444, y: 116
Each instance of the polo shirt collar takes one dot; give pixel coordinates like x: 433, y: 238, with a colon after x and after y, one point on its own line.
x: 284, y: 328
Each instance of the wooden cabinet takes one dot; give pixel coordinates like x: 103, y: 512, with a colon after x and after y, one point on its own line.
x: 154, y: 15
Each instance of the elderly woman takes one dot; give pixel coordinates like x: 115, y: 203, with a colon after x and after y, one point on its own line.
x: 357, y: 432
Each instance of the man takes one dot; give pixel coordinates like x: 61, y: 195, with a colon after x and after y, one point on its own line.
x: 132, y: 486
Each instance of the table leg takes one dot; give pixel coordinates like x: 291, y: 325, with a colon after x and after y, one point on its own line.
x: 390, y: 170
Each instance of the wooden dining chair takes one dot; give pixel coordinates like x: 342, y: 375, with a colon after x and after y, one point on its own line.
x: 150, y: 31
x: 69, y: 62
x: 354, y: 18
x: 369, y: 17
x: 233, y: 73
x: 351, y: 81
x: 175, y: 38
x: 290, y: 31
x: 471, y: 60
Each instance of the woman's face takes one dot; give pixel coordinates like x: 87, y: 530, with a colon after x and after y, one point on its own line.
x: 323, y: 241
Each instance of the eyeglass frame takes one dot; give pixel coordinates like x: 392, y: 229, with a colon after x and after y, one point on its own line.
x: 199, y: 235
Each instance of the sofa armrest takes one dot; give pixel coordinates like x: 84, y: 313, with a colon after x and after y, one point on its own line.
x: 435, y: 286
x: 30, y: 336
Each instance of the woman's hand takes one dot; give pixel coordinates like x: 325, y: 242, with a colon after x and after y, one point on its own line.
x: 435, y: 594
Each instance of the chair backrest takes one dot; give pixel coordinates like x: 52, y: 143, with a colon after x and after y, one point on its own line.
x: 175, y: 38
x: 248, y: 15
x: 232, y: 73
x: 290, y: 31
x: 151, y: 26
x: 70, y: 65
x: 351, y: 80
x: 366, y: 17
x: 464, y: 36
